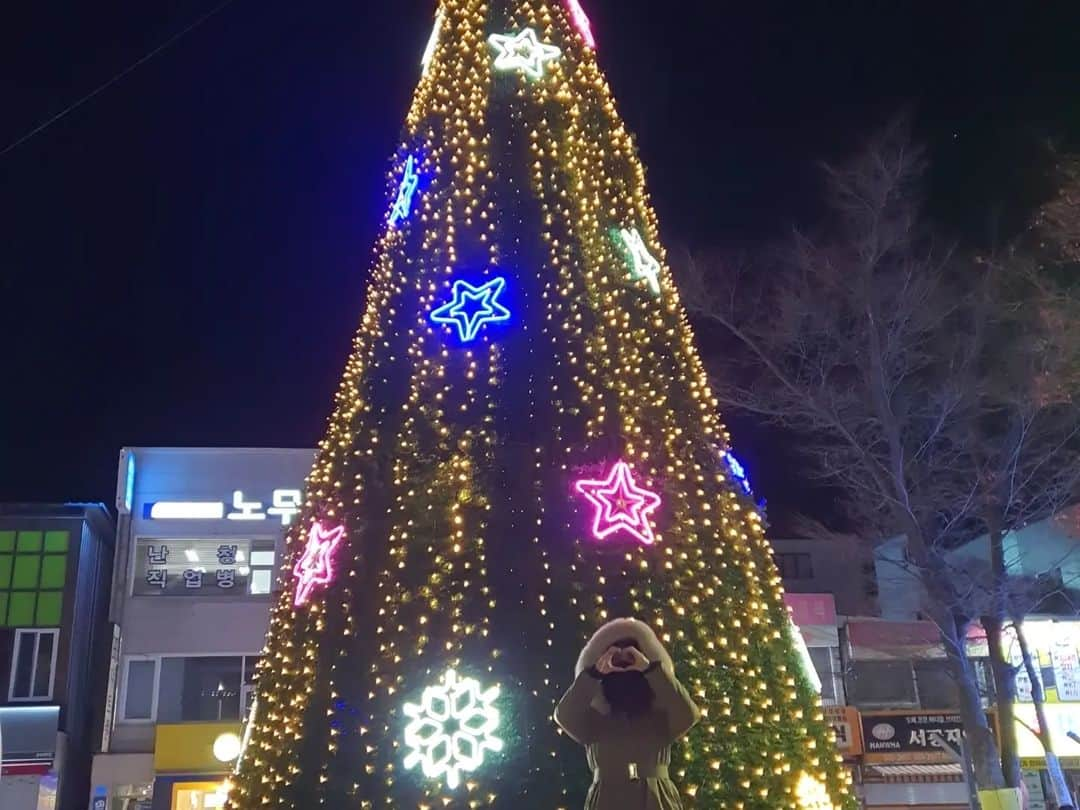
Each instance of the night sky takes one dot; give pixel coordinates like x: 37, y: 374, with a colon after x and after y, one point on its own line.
x: 184, y: 256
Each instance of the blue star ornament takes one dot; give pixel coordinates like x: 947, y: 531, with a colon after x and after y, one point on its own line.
x: 523, y: 51
x: 472, y: 307
x: 410, y: 181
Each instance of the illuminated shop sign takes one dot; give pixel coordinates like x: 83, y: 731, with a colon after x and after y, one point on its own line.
x: 909, y: 737
x: 194, y: 566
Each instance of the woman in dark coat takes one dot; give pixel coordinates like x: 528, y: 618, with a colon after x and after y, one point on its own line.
x: 627, y: 708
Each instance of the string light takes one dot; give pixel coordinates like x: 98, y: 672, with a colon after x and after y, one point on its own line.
x: 812, y: 794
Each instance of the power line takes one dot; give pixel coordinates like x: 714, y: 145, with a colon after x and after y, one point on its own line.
x: 130, y: 68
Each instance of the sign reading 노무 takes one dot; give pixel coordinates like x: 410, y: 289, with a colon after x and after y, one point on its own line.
x: 284, y: 506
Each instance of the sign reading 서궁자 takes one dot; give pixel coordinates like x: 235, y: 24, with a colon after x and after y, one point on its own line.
x: 910, y: 737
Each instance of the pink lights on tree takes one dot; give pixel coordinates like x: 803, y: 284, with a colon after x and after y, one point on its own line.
x: 621, y: 505
x: 581, y: 22
x: 316, y: 564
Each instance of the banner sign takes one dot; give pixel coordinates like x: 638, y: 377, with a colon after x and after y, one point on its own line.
x: 844, y: 721
x: 910, y: 737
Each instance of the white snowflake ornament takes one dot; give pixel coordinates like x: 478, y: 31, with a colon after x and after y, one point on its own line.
x: 451, y: 728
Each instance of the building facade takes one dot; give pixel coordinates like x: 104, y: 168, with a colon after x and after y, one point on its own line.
x: 55, y: 569
x: 199, y: 540
x: 885, y: 687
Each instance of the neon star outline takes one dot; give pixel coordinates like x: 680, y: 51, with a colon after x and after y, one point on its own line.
x: 738, y: 470
x: 621, y: 505
x: 441, y: 752
x: 316, y: 564
x: 410, y: 182
x: 645, y: 264
x: 523, y: 51
x: 581, y: 22
x: 453, y: 313
x: 433, y: 41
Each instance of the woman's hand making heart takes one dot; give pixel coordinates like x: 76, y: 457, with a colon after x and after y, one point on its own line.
x: 603, y: 663
x: 641, y: 661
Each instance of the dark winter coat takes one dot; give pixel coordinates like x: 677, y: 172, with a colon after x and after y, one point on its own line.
x: 629, y: 756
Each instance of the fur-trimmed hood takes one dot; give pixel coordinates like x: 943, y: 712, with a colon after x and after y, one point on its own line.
x: 618, y: 629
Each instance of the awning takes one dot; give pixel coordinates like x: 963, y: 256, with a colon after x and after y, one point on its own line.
x: 884, y: 640
x: 815, y: 616
x: 28, y: 739
x: 941, y: 772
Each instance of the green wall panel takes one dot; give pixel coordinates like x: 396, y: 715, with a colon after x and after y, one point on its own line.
x: 29, y: 541
x: 53, y: 570
x: 49, y: 609
x: 56, y: 541
x: 21, y: 609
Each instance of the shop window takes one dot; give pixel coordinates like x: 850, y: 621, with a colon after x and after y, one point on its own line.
x: 194, y: 689
x: 937, y: 688
x: 198, y: 795
x: 202, y: 567
x: 132, y: 797
x: 882, y: 683
x: 33, y: 571
x: 33, y: 666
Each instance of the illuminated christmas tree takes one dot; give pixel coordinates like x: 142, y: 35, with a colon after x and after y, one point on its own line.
x: 524, y: 446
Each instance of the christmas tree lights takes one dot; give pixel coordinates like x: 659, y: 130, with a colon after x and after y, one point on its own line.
x: 449, y: 465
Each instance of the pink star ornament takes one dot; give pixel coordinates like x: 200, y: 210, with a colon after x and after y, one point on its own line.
x: 316, y: 564
x: 581, y: 22
x: 621, y: 505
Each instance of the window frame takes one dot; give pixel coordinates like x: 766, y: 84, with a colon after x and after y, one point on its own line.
x: 248, y: 663
x: 834, y: 677
x: 122, y: 713
x: 37, y: 632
